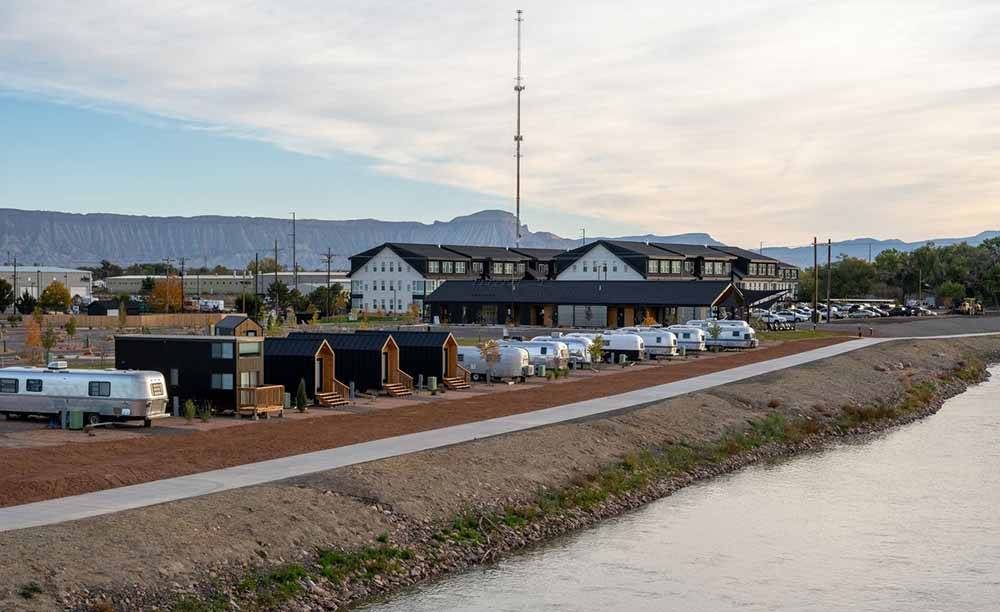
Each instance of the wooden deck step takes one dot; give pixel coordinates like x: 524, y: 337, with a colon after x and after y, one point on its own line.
x: 455, y: 382
x: 331, y: 398
x: 396, y: 389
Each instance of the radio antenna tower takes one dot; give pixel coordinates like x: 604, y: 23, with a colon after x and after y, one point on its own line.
x: 518, y: 88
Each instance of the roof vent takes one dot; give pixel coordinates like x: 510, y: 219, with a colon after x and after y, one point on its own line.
x: 57, y: 365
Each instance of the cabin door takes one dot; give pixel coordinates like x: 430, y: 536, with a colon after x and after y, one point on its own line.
x: 319, y: 375
x: 444, y: 363
x: 385, y: 367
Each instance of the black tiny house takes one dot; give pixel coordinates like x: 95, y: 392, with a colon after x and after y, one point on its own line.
x: 296, y: 358
x: 227, y: 371
x: 370, y: 361
x: 425, y: 352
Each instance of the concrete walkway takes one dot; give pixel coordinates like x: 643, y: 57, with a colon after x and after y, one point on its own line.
x: 136, y: 496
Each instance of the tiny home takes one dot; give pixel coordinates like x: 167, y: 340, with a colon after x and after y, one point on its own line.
x: 289, y: 361
x: 370, y: 361
x: 237, y: 325
x: 428, y: 354
x: 226, y: 371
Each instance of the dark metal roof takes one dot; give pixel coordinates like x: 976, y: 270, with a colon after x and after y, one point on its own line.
x: 431, y: 251
x: 412, y: 338
x: 191, y: 337
x: 292, y: 346
x: 346, y: 342
x: 638, y: 247
x: 744, y: 254
x: 664, y: 293
x: 230, y: 322
x: 694, y: 250
x: 485, y: 252
x: 540, y: 254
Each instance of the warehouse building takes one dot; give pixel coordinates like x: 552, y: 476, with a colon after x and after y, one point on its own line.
x: 227, y: 284
x: 34, y: 280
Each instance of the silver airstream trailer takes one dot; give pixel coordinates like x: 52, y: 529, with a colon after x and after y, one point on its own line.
x: 579, y: 348
x: 689, y: 337
x: 732, y: 334
x: 111, y: 395
x: 550, y: 353
x: 658, y: 341
x: 623, y: 343
x: 514, y: 363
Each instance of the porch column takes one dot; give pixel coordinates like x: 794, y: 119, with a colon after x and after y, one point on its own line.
x: 547, y: 315
x: 629, y: 316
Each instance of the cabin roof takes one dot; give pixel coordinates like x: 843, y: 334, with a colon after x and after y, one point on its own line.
x: 293, y: 346
x: 539, y: 254
x: 666, y: 293
x: 190, y: 338
x: 412, y: 338
x: 346, y: 342
x: 230, y: 322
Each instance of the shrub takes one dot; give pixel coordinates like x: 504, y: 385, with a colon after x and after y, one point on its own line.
x: 190, y: 410
x: 205, y: 414
x: 301, y: 400
x: 29, y: 590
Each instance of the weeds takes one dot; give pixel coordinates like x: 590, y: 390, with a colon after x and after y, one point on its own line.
x: 29, y: 590
x: 366, y: 563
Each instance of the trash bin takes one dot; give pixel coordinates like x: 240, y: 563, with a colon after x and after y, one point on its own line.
x: 76, y: 419
x: 540, y: 370
x: 432, y: 383
x: 622, y: 359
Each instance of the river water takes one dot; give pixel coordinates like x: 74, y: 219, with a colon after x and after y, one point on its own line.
x: 907, y: 520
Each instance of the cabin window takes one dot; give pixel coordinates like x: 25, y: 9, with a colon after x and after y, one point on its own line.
x: 543, y: 268
x: 391, y: 267
x: 459, y: 267
x: 520, y: 268
x: 659, y: 339
x: 34, y: 385
x: 99, y: 389
x: 222, y: 381
x: 222, y: 350
x: 607, y: 342
x: 675, y: 266
x: 249, y: 348
x: 497, y: 268
x: 447, y: 267
x: 433, y: 267
x: 383, y: 266
x: 155, y: 388
x: 752, y: 269
x: 584, y: 266
x: 736, y: 334
x: 174, y: 376
x: 8, y: 385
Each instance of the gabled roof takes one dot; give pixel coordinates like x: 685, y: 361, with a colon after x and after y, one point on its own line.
x: 744, y: 254
x: 230, y: 322
x: 642, y: 248
x: 694, y: 250
x: 292, y: 346
x: 542, y: 255
x: 414, y: 254
x: 412, y: 338
x: 346, y: 342
x: 664, y: 293
x: 485, y: 252
x: 621, y: 249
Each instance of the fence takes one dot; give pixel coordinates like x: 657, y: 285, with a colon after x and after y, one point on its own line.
x: 194, y: 319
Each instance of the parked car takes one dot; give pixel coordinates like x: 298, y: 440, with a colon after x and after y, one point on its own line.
x: 901, y: 311
x: 923, y: 311
x: 794, y: 315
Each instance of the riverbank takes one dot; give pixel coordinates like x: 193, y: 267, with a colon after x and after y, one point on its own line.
x: 334, y: 538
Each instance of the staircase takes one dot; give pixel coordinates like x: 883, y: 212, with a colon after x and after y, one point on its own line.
x: 396, y: 389
x: 455, y: 382
x: 331, y: 398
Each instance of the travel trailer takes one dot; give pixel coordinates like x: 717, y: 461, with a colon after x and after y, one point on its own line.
x: 514, y: 363
x: 689, y: 338
x: 552, y: 354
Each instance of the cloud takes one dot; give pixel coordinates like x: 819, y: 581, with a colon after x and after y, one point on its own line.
x: 773, y: 120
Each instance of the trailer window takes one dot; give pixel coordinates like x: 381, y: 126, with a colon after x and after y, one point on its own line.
x: 99, y: 389
x: 33, y: 385
x: 461, y: 357
x: 156, y: 388
x: 8, y: 385
x: 545, y: 350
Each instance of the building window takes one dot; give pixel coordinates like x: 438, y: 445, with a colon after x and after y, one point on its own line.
x: 383, y: 305
x: 433, y: 267
x: 653, y: 267
x: 459, y: 267
x: 248, y: 349
x: 223, y: 382
x: 222, y: 350
x: 174, y: 376
x: 574, y: 267
x: 752, y: 269
x: 727, y: 268
x: 675, y: 266
x: 688, y: 266
x: 8, y: 385
x: 366, y: 287
x: 99, y: 389
x: 543, y: 268
x: 584, y: 266
x: 383, y: 284
x: 391, y: 266
x: 447, y: 267
x: 33, y: 385
x: 508, y: 268
x: 520, y: 268
x: 477, y: 267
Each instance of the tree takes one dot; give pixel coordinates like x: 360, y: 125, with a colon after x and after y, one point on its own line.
x: 107, y: 269
x: 489, y: 350
x: 648, y: 319
x: 166, y: 295
x: 33, y: 336
x: 122, y: 313
x: 267, y: 266
x: 250, y: 304
x: 26, y: 303
x: 55, y: 297
x: 148, y: 284
x: 6, y: 295
x: 325, y: 299
x: 277, y: 294
x: 48, y: 341
x: 300, y: 396
x: 596, y: 349
x: 951, y: 291
x: 70, y: 327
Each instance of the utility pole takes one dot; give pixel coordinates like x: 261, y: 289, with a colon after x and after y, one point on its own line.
x: 584, y: 231
x: 16, y: 296
x: 182, y: 285
x: 295, y: 267
x: 518, y: 88
x: 168, y: 262
x: 277, y: 303
x: 256, y: 274
x: 829, y: 277
x: 329, y: 258
x: 815, y: 316
x: 761, y: 247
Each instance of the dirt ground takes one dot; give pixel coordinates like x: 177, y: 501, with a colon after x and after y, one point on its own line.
x: 176, y: 546
x: 33, y: 474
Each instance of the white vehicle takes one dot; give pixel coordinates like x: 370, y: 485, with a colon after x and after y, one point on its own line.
x: 617, y: 342
x: 550, y: 353
x: 112, y: 395
x: 732, y: 336
x: 861, y: 313
x: 579, y: 348
x: 514, y: 364
x: 689, y: 338
x: 658, y: 341
x: 794, y: 315
x: 773, y: 317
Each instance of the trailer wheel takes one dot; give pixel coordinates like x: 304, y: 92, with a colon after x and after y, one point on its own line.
x: 92, y: 418
x: 476, y: 377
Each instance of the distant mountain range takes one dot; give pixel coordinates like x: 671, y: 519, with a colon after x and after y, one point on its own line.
x: 70, y: 239
x: 862, y: 248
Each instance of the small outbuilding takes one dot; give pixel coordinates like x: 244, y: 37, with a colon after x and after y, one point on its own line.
x: 370, y: 361
x: 428, y: 353
x: 237, y: 325
x: 288, y: 361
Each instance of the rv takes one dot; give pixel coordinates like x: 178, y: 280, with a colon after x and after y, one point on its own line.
x: 102, y: 395
x: 732, y: 334
x: 658, y: 341
x: 579, y: 348
x: 623, y: 343
x: 552, y: 354
x: 689, y: 338
x: 514, y: 363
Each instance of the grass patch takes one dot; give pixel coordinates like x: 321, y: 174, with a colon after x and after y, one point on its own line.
x: 29, y: 590
x: 798, y: 334
x: 366, y: 563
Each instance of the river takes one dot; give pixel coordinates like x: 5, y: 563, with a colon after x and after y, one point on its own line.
x: 906, y: 520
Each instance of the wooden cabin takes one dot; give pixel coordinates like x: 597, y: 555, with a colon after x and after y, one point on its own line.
x: 429, y: 354
x: 370, y: 361
x: 237, y: 325
x: 287, y: 361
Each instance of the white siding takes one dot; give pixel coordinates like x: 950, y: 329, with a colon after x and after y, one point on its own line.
x: 384, y: 279
x: 617, y: 268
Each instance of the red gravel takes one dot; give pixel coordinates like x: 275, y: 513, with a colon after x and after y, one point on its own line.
x: 35, y: 474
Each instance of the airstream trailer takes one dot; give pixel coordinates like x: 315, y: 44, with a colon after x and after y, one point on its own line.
x: 550, y: 353
x: 658, y: 342
x: 579, y: 348
x: 112, y: 395
x: 732, y: 334
x: 625, y: 343
x: 689, y: 338
x: 514, y: 363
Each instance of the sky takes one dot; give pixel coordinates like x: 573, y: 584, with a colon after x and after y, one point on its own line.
x: 753, y: 121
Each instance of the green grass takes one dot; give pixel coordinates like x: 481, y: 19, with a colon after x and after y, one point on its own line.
x: 29, y: 590
x: 797, y: 334
x: 365, y: 564
x: 471, y: 341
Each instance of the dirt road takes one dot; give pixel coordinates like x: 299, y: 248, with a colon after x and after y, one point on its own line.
x: 35, y: 474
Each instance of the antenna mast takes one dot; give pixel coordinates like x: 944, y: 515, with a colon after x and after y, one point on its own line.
x: 518, y: 88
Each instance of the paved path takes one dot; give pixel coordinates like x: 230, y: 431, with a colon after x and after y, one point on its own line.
x: 136, y: 496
